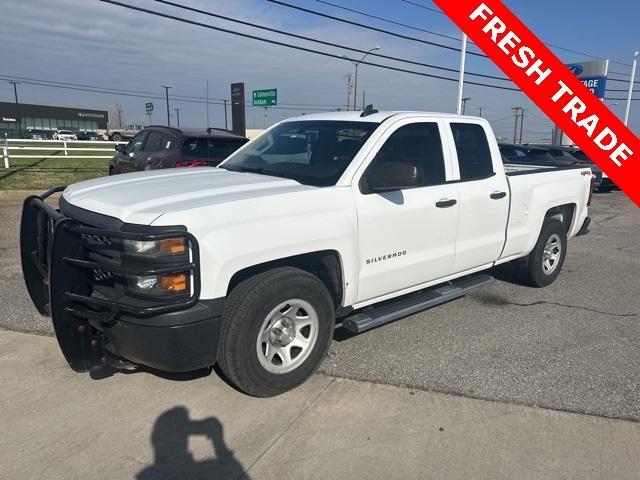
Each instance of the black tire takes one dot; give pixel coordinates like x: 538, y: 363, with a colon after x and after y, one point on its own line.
x: 247, y: 307
x: 530, y: 269
x: 605, y: 189
x: 116, y: 137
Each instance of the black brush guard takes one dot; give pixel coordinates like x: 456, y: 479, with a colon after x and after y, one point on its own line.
x: 60, y: 268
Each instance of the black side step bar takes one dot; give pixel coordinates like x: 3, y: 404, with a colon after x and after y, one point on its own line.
x: 414, y: 302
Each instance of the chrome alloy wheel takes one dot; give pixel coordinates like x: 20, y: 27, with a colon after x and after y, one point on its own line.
x: 287, y: 336
x: 551, y: 254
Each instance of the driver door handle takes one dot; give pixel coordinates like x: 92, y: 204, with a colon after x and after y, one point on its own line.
x: 498, y: 195
x: 446, y: 202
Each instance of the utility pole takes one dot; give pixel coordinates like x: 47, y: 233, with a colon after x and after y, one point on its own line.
x: 364, y: 97
x: 166, y: 93
x: 356, y: 63
x: 207, y: 103
x: 226, y: 127
x: 15, y: 94
x: 177, y: 110
x: 119, y: 118
x: 464, y: 104
x: 516, y: 113
x: 349, y: 89
x: 631, y: 84
x: 463, y: 56
x: 480, y: 109
x: 521, y: 125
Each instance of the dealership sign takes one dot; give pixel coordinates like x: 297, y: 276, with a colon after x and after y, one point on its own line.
x: 593, y: 75
x: 552, y: 87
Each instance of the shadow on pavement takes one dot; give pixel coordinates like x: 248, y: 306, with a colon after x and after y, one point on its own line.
x: 107, y: 371
x: 172, y: 459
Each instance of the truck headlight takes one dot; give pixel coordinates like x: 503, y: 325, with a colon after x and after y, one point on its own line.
x: 165, y: 284
x: 156, y: 248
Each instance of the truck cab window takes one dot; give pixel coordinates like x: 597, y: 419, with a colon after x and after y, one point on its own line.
x: 474, y: 156
x: 418, y: 144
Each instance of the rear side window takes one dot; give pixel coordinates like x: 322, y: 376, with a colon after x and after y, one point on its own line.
x: 418, y: 144
x: 210, y: 147
x: 474, y: 156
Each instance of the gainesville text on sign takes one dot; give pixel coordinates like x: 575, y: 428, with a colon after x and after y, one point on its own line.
x: 552, y: 87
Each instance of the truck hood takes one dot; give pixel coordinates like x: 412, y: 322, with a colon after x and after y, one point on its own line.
x: 144, y: 196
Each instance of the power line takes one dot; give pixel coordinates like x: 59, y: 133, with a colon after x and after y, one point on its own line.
x: 323, y: 42
x: 154, y: 96
x: 434, y: 10
x: 387, y: 20
x: 144, y: 94
x: 558, y: 47
x: 375, y: 29
x: 297, y: 47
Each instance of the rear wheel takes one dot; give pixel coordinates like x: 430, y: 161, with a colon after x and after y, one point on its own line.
x: 542, y: 266
x: 277, y: 328
x: 116, y: 137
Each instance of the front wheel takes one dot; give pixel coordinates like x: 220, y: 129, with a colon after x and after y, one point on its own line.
x: 277, y: 327
x: 542, y: 266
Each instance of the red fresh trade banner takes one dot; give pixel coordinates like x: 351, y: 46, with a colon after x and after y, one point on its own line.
x: 552, y: 87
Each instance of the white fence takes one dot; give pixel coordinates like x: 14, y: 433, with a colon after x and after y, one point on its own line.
x: 23, y: 146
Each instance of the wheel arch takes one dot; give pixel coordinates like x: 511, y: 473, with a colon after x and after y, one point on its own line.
x: 324, y: 264
x: 565, y: 213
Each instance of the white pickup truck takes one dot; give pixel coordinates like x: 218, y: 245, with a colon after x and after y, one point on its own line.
x: 361, y: 217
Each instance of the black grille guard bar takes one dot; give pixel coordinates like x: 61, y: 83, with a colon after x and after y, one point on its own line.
x: 38, y: 247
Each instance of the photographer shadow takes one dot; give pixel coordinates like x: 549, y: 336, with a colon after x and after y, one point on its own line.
x: 172, y: 459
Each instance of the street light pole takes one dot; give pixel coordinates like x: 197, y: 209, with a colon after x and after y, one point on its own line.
x: 463, y: 56
x: 356, y: 63
x: 177, y: 110
x: 166, y: 93
x: 18, y: 119
x: 226, y: 126
x: 631, y: 83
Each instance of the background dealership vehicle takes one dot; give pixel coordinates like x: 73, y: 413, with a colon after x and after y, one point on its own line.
x: 159, y: 147
x: 364, y: 217
x: 125, y: 133
x: 36, y: 134
x: 547, y: 155
x: 64, y: 135
x: 89, y: 136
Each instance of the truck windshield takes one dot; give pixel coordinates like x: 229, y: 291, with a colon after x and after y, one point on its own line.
x: 310, y: 152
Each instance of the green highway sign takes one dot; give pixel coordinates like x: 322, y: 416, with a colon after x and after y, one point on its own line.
x: 265, y: 98
x: 149, y: 107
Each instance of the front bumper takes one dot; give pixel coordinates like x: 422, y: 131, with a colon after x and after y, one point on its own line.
x: 75, y: 273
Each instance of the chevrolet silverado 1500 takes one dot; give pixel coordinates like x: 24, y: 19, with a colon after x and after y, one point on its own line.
x: 362, y: 217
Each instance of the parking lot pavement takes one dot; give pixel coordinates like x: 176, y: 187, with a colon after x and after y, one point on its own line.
x: 57, y: 424
x: 571, y: 346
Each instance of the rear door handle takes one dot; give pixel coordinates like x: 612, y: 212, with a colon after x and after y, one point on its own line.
x: 498, y: 195
x: 446, y: 202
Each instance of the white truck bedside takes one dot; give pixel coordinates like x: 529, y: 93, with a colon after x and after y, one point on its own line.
x: 249, y: 265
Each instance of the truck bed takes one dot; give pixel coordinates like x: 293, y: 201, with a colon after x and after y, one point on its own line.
x: 512, y: 169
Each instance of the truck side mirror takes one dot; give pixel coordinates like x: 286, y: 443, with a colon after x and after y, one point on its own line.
x: 395, y: 176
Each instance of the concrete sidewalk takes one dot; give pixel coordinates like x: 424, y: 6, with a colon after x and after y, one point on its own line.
x: 57, y: 424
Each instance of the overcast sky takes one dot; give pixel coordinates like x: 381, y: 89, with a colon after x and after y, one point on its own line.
x: 93, y: 43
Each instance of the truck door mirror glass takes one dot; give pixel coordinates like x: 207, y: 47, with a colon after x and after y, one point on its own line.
x: 390, y: 176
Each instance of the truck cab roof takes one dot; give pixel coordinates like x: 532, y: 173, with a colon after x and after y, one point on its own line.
x: 378, y: 117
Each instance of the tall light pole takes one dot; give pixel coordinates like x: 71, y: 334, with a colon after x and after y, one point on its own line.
x: 15, y: 94
x: 463, y: 56
x: 177, y: 110
x: 356, y: 63
x: 480, y: 109
x: 166, y: 93
x: 631, y: 83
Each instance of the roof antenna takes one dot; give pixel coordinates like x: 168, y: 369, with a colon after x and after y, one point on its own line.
x: 368, y: 110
